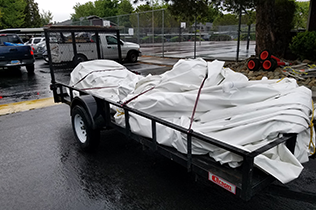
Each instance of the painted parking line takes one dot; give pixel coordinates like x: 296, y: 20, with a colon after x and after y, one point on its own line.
x: 26, y: 105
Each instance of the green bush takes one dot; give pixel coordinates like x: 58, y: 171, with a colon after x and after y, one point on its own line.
x: 220, y: 37
x: 304, y: 45
x: 197, y: 38
x: 243, y: 37
x: 146, y: 39
x: 174, y: 39
x: 149, y: 39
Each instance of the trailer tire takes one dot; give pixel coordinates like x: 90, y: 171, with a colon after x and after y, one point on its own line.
x: 87, y: 137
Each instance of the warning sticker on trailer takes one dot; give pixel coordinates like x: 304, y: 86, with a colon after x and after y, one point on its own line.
x: 221, y: 182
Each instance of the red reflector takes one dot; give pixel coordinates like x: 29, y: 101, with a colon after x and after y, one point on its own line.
x: 0, y: 97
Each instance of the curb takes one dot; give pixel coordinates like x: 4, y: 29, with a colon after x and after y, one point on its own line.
x: 26, y: 105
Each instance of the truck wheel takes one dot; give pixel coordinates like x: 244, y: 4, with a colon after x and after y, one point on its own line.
x: 132, y: 57
x: 87, y: 137
x: 80, y: 58
x: 30, y: 69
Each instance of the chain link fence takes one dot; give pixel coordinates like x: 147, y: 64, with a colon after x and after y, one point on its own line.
x: 159, y: 34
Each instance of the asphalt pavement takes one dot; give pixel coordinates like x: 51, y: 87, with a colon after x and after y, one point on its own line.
x: 43, y: 169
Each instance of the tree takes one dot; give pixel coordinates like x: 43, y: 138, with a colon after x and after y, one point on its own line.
x: 32, y: 17
x: 301, y: 14
x: 12, y: 13
x: 83, y: 10
x: 125, y: 8
x: 106, y: 8
x: 265, y: 17
x: 46, y: 17
x: 227, y: 19
x: 189, y: 9
x: 101, y: 8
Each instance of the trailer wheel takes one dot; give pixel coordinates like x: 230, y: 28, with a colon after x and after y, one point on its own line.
x: 87, y: 137
x: 132, y: 57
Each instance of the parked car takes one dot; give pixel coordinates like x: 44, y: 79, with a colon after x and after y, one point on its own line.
x: 41, y: 46
x: 33, y: 42
x: 13, y: 53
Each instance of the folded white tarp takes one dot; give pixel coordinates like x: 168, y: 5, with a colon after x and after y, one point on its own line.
x: 246, y: 114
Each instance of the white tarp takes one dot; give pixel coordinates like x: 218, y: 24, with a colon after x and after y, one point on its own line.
x: 246, y: 114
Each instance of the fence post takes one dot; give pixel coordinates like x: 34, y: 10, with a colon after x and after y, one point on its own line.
x: 238, y: 42
x: 194, y: 37
x: 153, y: 26
x: 138, y: 34
x: 163, y: 33
x: 248, y: 37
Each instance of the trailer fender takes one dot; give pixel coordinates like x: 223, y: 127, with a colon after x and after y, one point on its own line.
x: 90, y: 105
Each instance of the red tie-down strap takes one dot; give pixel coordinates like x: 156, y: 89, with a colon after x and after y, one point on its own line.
x: 196, y: 102
x: 131, y: 99
x: 91, y: 72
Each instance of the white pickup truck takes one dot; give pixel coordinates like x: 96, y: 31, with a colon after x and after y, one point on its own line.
x: 63, y: 52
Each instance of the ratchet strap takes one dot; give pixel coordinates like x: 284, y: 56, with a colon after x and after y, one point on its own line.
x: 131, y: 99
x: 91, y: 72
x: 196, y: 102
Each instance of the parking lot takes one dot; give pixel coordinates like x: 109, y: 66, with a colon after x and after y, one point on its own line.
x: 17, y: 85
x: 42, y: 167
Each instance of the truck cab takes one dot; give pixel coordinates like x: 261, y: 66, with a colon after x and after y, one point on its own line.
x: 85, y: 47
x: 130, y: 51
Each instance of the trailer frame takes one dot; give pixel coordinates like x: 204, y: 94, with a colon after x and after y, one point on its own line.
x: 244, y: 181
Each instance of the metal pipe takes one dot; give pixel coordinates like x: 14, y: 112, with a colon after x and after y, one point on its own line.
x: 163, y: 35
x: 194, y: 37
x: 248, y: 37
x: 238, y: 42
x: 138, y: 34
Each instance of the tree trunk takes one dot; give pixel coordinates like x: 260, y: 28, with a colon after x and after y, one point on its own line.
x: 311, y: 25
x: 265, y: 17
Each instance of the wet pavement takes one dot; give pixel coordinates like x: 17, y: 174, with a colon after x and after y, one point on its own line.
x: 209, y: 50
x: 42, y: 168
x: 16, y: 85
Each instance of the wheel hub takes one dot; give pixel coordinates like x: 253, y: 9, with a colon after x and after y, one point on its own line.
x: 80, y: 128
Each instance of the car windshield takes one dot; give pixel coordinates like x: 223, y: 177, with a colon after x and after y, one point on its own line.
x: 36, y: 40
x: 9, y: 38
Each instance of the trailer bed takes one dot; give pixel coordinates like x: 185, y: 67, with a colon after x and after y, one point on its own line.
x: 244, y: 181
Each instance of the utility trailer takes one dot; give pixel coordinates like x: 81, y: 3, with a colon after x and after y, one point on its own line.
x: 91, y: 113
